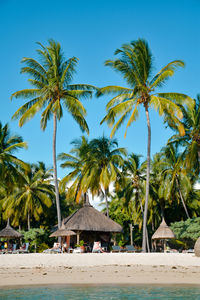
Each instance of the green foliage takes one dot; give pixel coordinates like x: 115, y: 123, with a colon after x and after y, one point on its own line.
x: 32, y: 196
x: 187, y: 231
x: 81, y: 243
x: 42, y: 247
x: 36, y: 237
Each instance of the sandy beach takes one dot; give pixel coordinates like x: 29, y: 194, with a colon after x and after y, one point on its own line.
x: 105, y: 268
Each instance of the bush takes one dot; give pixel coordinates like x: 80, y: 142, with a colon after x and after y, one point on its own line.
x: 42, y: 247
x: 36, y: 237
x: 187, y: 231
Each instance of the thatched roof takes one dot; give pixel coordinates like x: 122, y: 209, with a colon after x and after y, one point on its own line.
x: 62, y: 232
x: 88, y: 218
x: 163, y: 232
x: 9, y: 232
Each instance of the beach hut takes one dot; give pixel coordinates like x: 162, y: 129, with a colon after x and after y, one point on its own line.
x: 163, y: 233
x: 197, y: 247
x: 91, y: 224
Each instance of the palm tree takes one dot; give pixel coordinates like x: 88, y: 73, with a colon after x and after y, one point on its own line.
x: 77, y: 162
x: 175, y: 177
x: 105, y: 163
x: 31, y: 198
x: 52, y: 91
x: 95, y: 166
x: 136, y: 66
x: 9, y: 163
x: 191, y: 140
x: 132, y: 178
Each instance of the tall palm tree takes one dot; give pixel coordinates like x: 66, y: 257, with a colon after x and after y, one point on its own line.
x: 52, y: 91
x: 136, y: 66
x: 30, y: 198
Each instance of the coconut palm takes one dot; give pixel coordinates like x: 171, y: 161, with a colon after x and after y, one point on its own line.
x: 76, y: 180
x: 136, y: 66
x: 52, y: 92
x: 191, y: 140
x: 105, y: 163
x: 94, y: 167
x: 29, y: 199
x: 9, y: 163
x: 175, y: 178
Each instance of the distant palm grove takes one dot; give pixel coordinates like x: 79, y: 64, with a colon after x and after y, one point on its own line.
x: 136, y: 191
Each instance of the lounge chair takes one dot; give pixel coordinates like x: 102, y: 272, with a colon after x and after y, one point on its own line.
x: 130, y: 249
x: 97, y: 248
x: 13, y: 249
x: 56, y: 249
x: 116, y: 249
x: 23, y: 249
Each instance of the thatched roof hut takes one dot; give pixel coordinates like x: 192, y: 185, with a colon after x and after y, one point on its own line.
x: 9, y: 232
x: 88, y: 218
x: 197, y: 247
x: 163, y: 232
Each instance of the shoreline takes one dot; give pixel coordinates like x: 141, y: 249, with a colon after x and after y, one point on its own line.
x: 106, y: 269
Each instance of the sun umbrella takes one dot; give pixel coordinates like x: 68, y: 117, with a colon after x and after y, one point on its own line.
x: 62, y: 232
x: 9, y: 232
x: 163, y: 232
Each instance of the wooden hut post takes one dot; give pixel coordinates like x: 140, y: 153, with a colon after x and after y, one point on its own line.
x: 68, y: 241
x: 78, y: 237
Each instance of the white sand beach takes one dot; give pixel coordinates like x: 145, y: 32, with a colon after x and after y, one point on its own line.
x: 105, y: 268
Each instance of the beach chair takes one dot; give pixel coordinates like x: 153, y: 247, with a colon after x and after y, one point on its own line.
x: 12, y: 251
x: 130, y: 249
x: 97, y: 248
x: 23, y: 249
x: 56, y: 249
x: 116, y: 249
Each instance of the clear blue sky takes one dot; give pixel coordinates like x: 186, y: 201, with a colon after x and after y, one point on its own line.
x: 91, y: 31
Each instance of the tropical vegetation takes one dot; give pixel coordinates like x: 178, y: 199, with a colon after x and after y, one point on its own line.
x: 136, y: 66
x: 135, y: 191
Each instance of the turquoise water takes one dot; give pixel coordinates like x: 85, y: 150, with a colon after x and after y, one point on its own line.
x: 106, y: 292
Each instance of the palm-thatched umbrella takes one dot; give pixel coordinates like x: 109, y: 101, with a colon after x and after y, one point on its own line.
x: 9, y: 232
x: 62, y: 232
x: 163, y: 233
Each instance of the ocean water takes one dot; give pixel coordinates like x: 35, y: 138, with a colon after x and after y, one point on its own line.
x: 102, y: 292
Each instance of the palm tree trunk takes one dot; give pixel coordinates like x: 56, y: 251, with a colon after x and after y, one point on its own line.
x: 106, y: 198
x: 55, y: 170
x: 182, y: 200
x: 144, y: 238
x: 29, y: 222
x: 147, y: 238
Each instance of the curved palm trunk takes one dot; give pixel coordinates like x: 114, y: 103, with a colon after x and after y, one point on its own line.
x: 145, y: 233
x: 182, y: 200
x: 55, y: 170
